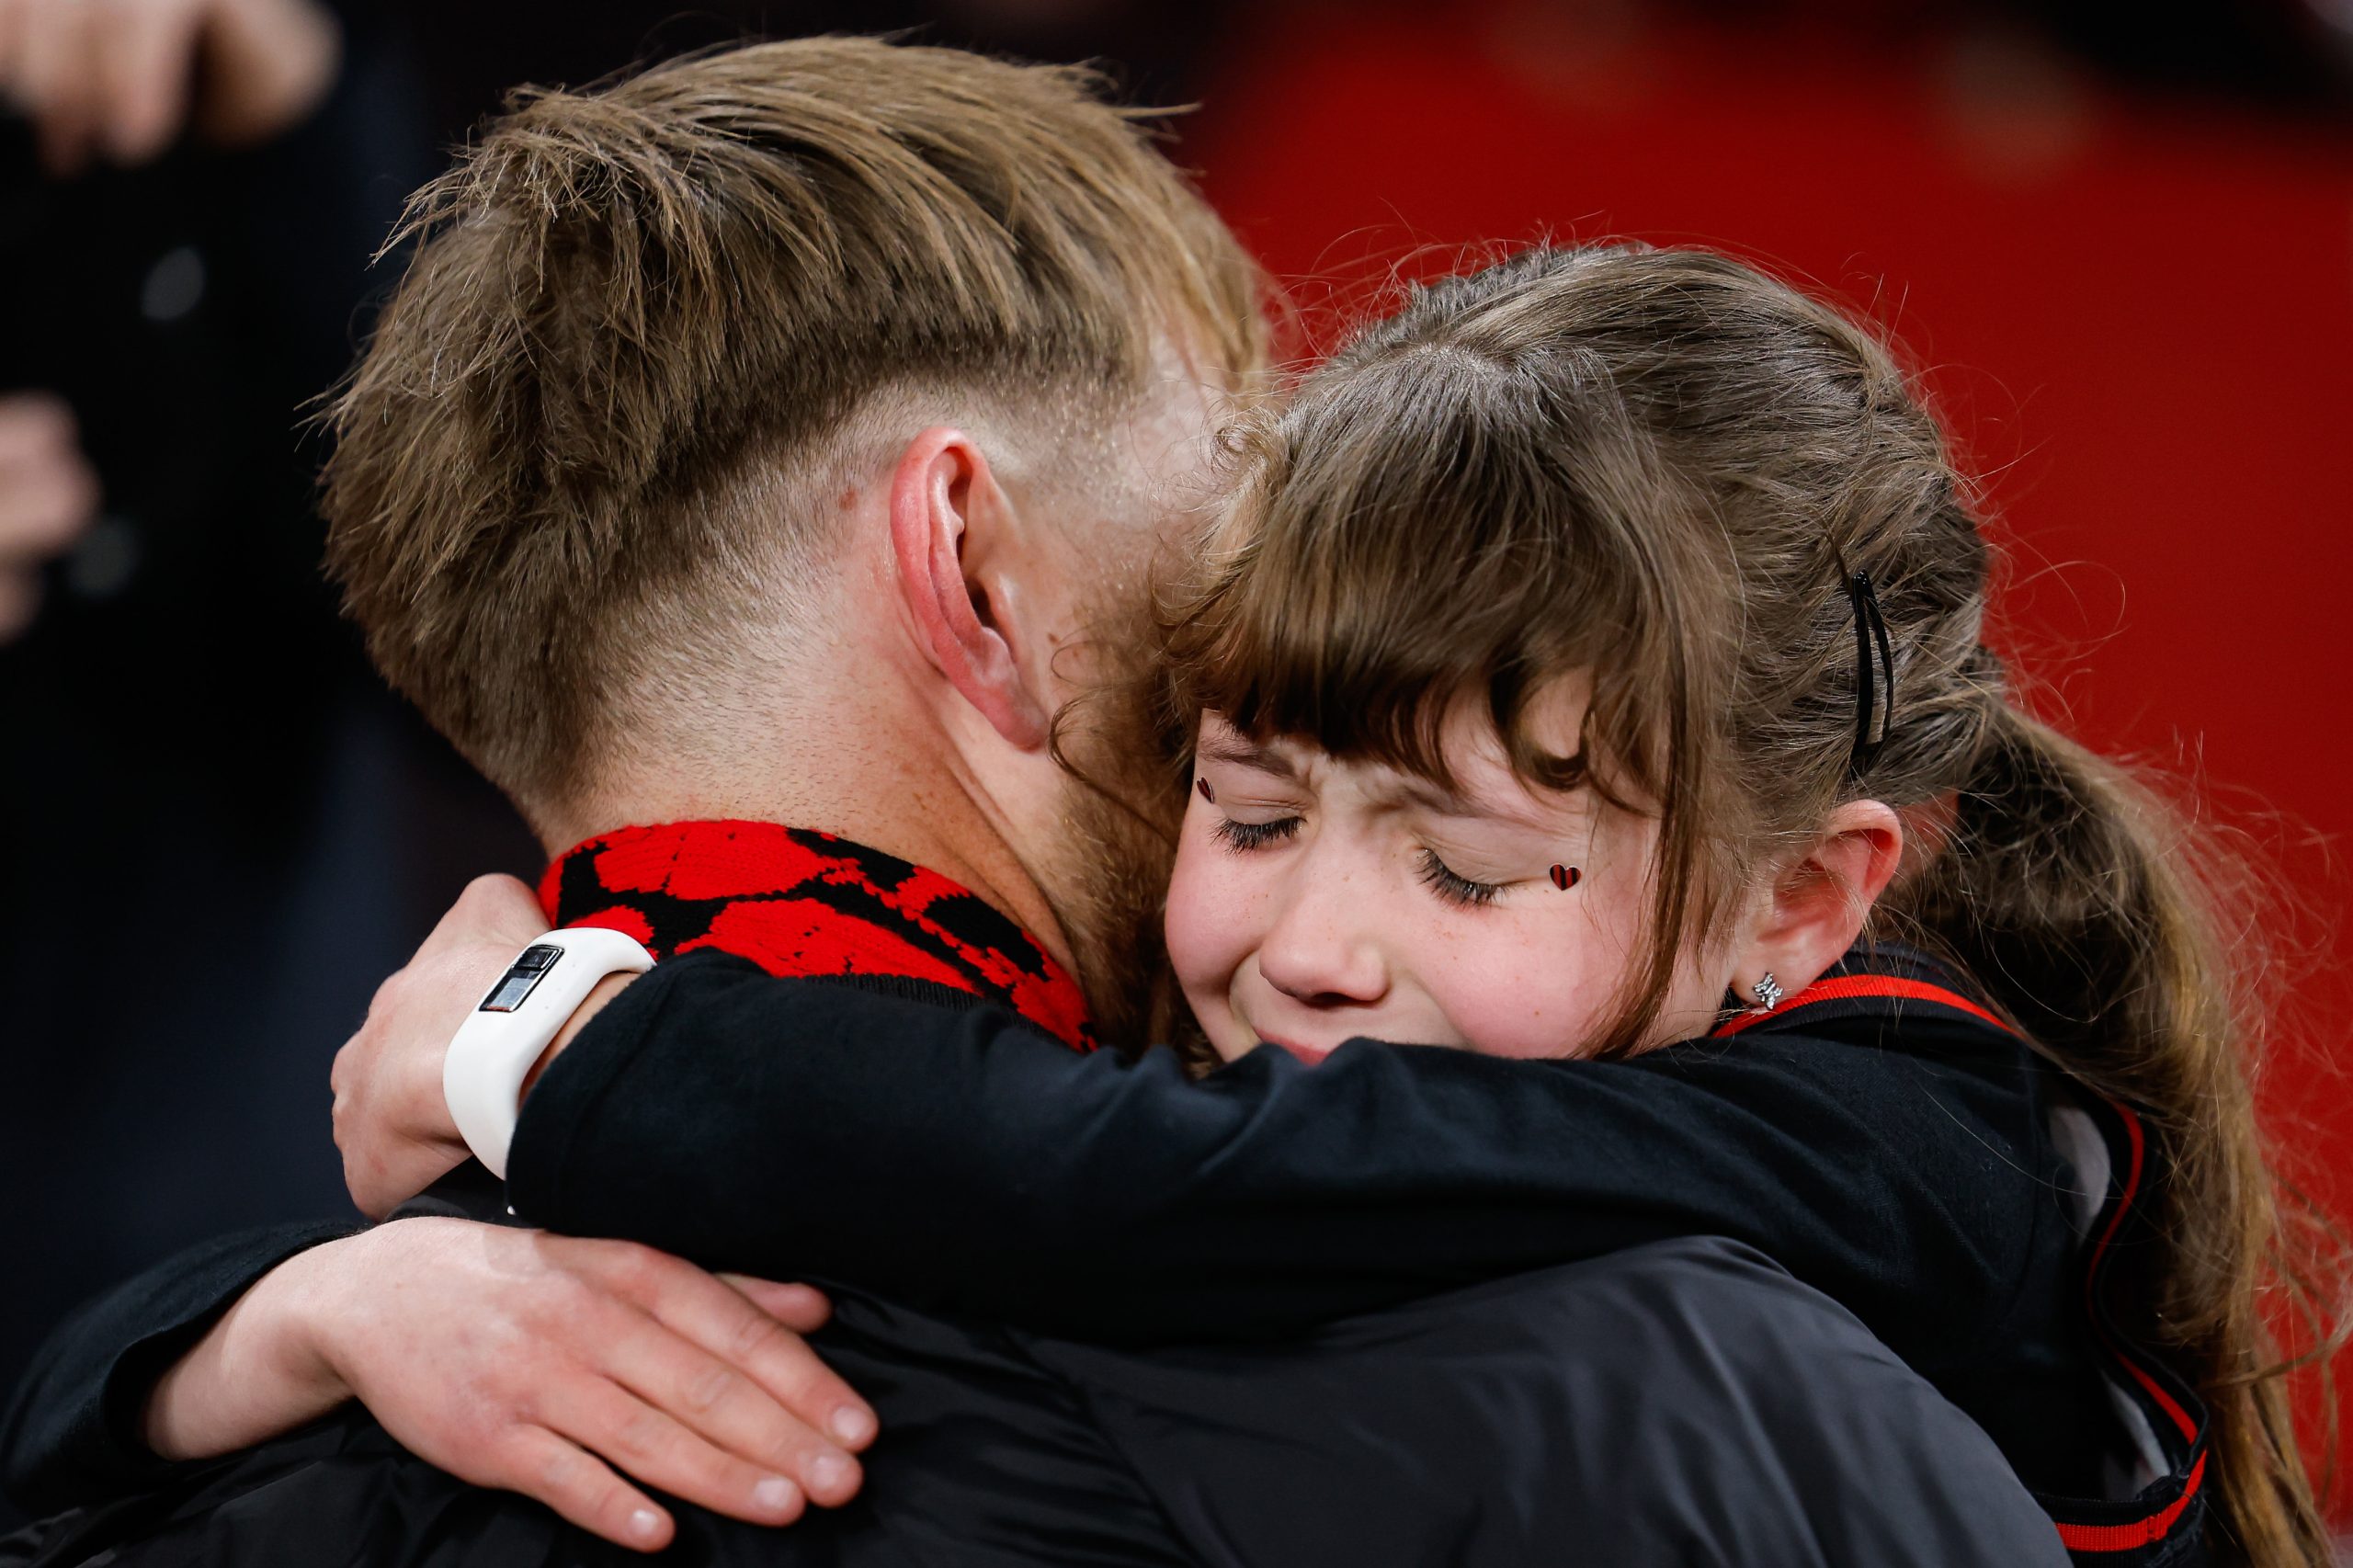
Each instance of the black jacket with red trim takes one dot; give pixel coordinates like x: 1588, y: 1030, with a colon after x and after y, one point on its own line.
x: 1737, y: 1416
x: 1684, y: 1400
x: 1883, y: 1137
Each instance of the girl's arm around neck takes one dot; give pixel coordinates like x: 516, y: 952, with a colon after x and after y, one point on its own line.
x: 956, y: 1158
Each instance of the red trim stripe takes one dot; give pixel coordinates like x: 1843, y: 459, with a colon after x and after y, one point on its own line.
x: 2181, y: 1418
x: 1841, y: 987
x: 2139, y: 1532
x: 2134, y: 1534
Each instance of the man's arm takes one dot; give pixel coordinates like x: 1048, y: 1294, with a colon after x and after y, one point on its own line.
x: 73, y: 1429
x: 962, y: 1159
x: 509, y: 1357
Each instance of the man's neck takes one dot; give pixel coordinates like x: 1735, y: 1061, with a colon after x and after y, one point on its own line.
x: 865, y: 790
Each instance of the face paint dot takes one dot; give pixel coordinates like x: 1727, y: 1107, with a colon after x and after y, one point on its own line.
x: 1566, y: 877
x: 1207, y: 793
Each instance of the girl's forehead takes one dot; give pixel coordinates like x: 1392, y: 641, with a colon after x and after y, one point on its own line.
x: 1480, y: 781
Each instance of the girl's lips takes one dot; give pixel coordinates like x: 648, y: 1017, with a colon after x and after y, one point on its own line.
x: 1308, y: 1054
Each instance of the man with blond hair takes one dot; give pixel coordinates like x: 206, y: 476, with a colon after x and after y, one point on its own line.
x: 750, y: 470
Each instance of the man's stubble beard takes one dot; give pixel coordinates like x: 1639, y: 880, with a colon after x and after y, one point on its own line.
x: 1124, y: 801
x: 1116, y: 871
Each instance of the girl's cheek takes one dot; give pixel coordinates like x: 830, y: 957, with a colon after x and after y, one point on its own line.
x: 1208, y: 932
x: 1528, y: 998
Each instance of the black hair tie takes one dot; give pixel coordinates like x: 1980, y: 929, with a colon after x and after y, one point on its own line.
x: 1874, y: 675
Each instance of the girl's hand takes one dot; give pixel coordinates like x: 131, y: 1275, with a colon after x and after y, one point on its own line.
x: 539, y: 1364
x: 391, y: 1121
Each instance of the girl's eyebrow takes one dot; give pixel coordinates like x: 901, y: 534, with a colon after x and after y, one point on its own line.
x: 1439, y: 802
x: 1242, y: 753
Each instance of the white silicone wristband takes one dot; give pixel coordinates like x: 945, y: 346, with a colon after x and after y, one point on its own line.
x: 483, y: 1074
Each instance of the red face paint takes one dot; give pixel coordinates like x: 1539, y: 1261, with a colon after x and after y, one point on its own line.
x: 1207, y: 793
x: 1566, y: 877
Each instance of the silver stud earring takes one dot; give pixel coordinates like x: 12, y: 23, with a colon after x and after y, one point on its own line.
x: 1767, y: 991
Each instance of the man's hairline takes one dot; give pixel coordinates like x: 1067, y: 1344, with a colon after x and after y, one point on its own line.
x: 858, y: 449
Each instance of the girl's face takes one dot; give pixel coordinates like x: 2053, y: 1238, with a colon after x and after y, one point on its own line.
x: 1315, y: 900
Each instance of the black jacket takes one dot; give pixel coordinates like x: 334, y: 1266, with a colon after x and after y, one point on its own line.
x: 1885, y: 1137
x: 1672, y: 1398
x: 1684, y: 1403
x: 1895, y: 1153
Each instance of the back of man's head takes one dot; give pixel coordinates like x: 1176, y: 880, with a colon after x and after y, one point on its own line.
x: 595, y: 432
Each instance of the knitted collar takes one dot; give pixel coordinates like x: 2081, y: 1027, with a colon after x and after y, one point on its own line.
x: 809, y: 905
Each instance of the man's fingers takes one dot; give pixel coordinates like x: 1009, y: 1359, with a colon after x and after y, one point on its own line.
x: 662, y: 1452
x: 724, y: 1405
x: 19, y: 601
x: 48, y: 493
x: 43, y: 510
x: 12, y: 29
x: 53, y: 81
x: 784, y: 1364
x: 582, y: 1489
x: 34, y: 426
x: 144, y: 75
x: 727, y: 1325
x: 803, y: 1309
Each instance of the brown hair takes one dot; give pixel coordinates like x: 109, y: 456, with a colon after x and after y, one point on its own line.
x: 1661, y: 468
x: 637, y: 316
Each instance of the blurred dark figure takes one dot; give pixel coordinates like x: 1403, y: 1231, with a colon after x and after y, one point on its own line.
x: 221, y: 832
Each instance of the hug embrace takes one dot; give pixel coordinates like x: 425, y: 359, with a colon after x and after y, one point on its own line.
x: 1659, y: 1057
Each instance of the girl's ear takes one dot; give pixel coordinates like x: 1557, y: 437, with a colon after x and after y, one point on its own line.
x: 1820, y: 900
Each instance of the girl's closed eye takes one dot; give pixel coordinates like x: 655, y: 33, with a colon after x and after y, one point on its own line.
x: 1456, y: 889
x: 1243, y: 836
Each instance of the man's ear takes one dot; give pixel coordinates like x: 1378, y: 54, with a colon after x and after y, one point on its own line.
x: 950, y: 544
x: 1819, y: 902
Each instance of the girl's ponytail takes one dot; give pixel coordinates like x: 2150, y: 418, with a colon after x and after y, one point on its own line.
x: 2083, y: 902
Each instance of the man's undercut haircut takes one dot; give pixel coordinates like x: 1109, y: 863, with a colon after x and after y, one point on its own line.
x: 597, y: 422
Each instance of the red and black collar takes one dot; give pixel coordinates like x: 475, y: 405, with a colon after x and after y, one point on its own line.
x: 1882, y: 982
x: 1892, y: 983
x: 807, y: 905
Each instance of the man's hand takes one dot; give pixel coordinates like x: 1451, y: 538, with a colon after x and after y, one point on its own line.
x: 48, y: 495
x: 391, y: 1121
x: 124, y: 77
x: 539, y: 1364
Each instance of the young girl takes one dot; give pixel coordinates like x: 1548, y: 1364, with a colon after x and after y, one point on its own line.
x: 1589, y: 661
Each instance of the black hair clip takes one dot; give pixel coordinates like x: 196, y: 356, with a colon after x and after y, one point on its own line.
x: 1874, y: 673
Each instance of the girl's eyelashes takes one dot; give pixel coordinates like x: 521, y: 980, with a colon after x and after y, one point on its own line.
x: 1454, y: 888
x: 1245, y: 836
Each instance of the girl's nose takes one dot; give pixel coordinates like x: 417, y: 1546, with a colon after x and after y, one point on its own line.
x: 1320, y: 952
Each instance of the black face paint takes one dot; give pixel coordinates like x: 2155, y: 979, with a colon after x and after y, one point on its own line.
x: 1207, y: 793
x: 1566, y: 877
